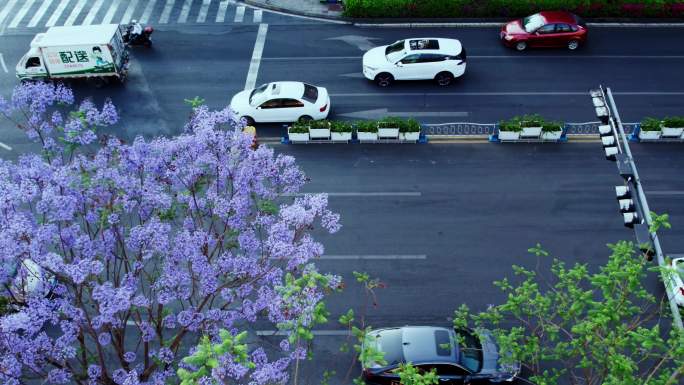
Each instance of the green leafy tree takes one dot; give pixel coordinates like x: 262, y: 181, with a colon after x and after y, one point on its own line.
x: 601, y: 328
x: 411, y: 375
x: 209, y: 356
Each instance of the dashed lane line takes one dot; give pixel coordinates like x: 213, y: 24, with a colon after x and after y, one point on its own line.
x: 256, y: 56
x: 6, y: 147
x: 666, y: 192
x: 2, y: 63
x: 363, y: 194
x: 531, y: 57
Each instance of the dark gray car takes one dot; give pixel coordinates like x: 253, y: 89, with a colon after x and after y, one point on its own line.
x: 474, y: 360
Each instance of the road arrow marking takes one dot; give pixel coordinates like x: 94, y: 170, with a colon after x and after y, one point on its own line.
x: 361, y: 42
x: 358, y: 75
x: 2, y: 63
x: 380, y: 112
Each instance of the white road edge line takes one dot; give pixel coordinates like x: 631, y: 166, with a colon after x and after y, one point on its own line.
x: 256, y: 56
x: 512, y: 93
x: 6, y: 147
x: 492, y: 24
x: 2, y: 63
x: 321, y: 19
x: 380, y: 257
x: 666, y: 192
x: 363, y: 194
x: 535, y: 57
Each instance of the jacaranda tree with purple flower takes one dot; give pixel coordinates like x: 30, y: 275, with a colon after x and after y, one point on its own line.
x: 118, y: 258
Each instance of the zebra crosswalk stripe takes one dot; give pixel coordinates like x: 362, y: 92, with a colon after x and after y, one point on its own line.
x: 22, y: 12
x: 129, y: 12
x: 5, y: 11
x: 239, y: 14
x: 202, y: 17
x: 111, y: 12
x: 75, y: 12
x: 57, y: 13
x: 221, y: 14
x: 257, y: 15
x: 93, y: 12
x: 39, y: 13
x: 148, y: 11
x: 185, y: 11
x: 167, y: 11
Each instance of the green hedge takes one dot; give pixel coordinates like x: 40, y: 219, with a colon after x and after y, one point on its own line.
x: 510, y: 8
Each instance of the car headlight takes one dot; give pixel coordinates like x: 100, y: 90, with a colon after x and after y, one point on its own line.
x: 508, y: 37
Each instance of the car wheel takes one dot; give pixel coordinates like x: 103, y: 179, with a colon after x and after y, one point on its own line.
x: 304, y: 118
x: 521, y: 46
x: 444, y: 78
x: 573, y: 45
x: 384, y: 79
x: 248, y: 120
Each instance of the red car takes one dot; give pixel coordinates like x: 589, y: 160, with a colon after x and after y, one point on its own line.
x: 545, y: 29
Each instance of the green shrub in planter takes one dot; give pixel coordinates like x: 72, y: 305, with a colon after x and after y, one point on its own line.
x: 366, y: 126
x: 411, y: 125
x: 318, y: 123
x: 531, y: 121
x: 552, y: 126
x: 300, y: 128
x: 340, y: 126
x: 650, y: 124
x: 512, y: 125
x: 392, y: 122
x: 673, y: 122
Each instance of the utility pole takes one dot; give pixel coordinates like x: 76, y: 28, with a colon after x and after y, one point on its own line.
x: 631, y: 197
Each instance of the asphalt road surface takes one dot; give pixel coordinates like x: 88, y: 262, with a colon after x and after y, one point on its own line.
x: 438, y: 222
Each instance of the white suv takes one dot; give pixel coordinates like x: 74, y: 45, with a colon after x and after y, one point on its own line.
x: 416, y: 59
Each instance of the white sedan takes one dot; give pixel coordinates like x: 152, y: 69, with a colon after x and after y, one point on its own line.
x: 416, y: 59
x: 282, y: 102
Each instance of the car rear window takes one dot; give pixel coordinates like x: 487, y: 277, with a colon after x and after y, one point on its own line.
x: 310, y: 93
x: 442, y: 343
x: 389, y: 342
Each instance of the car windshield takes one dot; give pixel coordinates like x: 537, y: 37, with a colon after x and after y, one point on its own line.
x: 471, y: 350
x: 256, y: 93
x: 310, y: 93
x: 389, y: 342
x: 532, y: 23
x: 393, y: 51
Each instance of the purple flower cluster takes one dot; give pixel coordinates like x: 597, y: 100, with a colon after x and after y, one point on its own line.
x: 149, y: 243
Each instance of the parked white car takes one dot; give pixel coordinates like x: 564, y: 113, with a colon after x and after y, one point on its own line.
x: 678, y: 267
x: 282, y: 102
x: 416, y: 59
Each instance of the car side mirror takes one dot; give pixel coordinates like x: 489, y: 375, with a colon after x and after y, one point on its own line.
x: 399, y: 64
x: 258, y: 108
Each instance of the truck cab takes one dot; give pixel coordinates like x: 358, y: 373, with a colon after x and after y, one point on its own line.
x: 31, y: 65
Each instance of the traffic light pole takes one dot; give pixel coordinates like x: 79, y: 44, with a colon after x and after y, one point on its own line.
x: 643, y: 204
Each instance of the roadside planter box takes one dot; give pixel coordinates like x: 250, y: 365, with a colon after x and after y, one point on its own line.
x: 367, y: 136
x: 340, y: 131
x: 673, y: 127
x: 509, y: 135
x: 387, y: 131
x: 650, y: 129
x: 367, y: 131
x: 409, y: 131
x: 551, y: 131
x: 531, y: 126
x: 298, y: 133
x: 409, y: 136
x: 319, y: 129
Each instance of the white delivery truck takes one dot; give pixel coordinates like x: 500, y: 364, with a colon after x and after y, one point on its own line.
x: 92, y: 51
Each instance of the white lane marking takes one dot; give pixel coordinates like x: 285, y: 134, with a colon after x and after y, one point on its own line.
x: 363, y: 194
x: 321, y: 19
x: 39, y: 13
x: 221, y: 14
x: 256, y: 56
x: 22, y: 12
x: 75, y: 12
x: 2, y: 63
x: 110, y: 12
x: 168, y: 7
x: 512, y: 93
x: 185, y: 11
x: 666, y: 192
x: 257, y: 15
x: 128, y: 14
x: 5, y: 11
x: 57, y: 13
x: 375, y: 257
x: 202, y: 16
x: 148, y: 11
x: 534, y: 57
x: 315, y: 332
x: 93, y: 12
x: 239, y: 14
x: 6, y: 147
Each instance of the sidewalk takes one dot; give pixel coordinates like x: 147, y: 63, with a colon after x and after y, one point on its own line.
x: 313, y: 8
